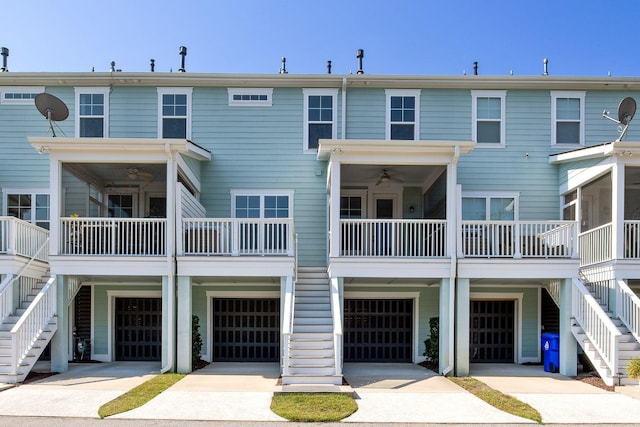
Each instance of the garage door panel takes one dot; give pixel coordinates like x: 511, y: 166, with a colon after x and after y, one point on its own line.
x: 138, y: 329
x: 492, y: 331
x: 246, y: 330
x: 378, y: 330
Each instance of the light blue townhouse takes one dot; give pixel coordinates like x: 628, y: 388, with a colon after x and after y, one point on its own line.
x: 317, y: 220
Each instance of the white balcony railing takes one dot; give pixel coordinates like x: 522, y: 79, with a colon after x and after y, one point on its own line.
x: 632, y: 239
x: 598, y: 327
x: 237, y: 236
x: 518, y: 239
x: 628, y: 308
x: 113, y: 236
x: 18, y: 237
x: 393, y: 238
x: 596, y: 245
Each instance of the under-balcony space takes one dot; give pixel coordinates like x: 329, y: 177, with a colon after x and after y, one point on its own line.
x: 236, y: 247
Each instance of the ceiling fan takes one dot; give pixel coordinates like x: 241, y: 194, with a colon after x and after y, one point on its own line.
x: 135, y: 173
x: 385, y: 177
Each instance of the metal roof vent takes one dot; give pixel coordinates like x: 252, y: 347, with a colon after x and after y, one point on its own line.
x: 328, y: 67
x: 153, y: 65
x: 283, y: 67
x: 545, y: 71
x: 475, y: 68
x: 360, y: 55
x: 183, y: 53
x: 5, y: 53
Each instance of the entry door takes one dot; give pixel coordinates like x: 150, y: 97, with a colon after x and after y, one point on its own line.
x: 383, y: 242
x: 492, y: 331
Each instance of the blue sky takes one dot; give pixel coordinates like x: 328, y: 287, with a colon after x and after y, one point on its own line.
x: 418, y: 37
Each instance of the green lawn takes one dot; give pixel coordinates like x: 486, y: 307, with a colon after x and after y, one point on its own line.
x: 313, y: 407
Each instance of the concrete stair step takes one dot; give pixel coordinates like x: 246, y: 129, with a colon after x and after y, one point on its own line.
x: 312, y: 336
x: 306, y: 328
x: 312, y: 320
x: 307, y: 353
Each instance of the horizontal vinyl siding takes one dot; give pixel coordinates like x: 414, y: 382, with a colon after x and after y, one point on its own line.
x: 261, y: 148
x: 76, y: 195
x: 366, y: 113
x: 528, y: 132
x: 133, y: 112
x: 599, y: 130
x: 445, y: 114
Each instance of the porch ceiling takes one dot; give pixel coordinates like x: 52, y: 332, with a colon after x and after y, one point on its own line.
x: 406, y: 175
x: 120, y: 173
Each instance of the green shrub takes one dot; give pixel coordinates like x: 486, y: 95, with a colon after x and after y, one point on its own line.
x: 633, y: 368
x: 432, y: 344
x: 196, y: 341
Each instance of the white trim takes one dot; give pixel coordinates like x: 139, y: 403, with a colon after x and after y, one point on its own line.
x: 105, y: 114
x: 246, y: 294
x: 112, y: 294
x: 175, y: 91
x: 517, y: 298
x: 32, y: 192
x: 356, y: 192
x: 305, y: 116
x: 402, y: 92
x: 580, y: 95
x: 475, y: 94
x: 4, y: 90
x: 415, y: 296
x: 250, y: 102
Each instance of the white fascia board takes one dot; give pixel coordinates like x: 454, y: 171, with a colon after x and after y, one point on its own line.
x: 607, y: 149
x: 360, y: 148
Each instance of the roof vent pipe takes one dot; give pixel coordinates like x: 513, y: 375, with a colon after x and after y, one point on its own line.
x: 328, y: 67
x: 5, y: 54
x: 475, y: 68
x: 283, y: 67
x: 113, y: 66
x: 360, y: 55
x: 153, y: 65
x: 546, y: 71
x: 183, y: 53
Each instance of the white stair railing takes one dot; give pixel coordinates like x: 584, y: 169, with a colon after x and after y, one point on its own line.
x: 628, y: 308
x: 287, y: 324
x: 553, y: 287
x: 598, y: 327
x: 6, y: 297
x: 336, y: 313
x: 32, y: 323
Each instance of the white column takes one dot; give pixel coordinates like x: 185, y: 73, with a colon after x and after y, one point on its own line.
x: 617, y: 211
x: 334, y: 208
x: 55, y: 205
x: 568, y: 346
x: 184, y: 332
x: 445, y: 326
x: 60, y: 342
x: 462, y: 327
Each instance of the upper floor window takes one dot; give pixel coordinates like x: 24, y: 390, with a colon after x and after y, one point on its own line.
x: 403, y: 113
x: 174, y: 106
x: 262, y: 204
x: 19, y: 95
x: 567, y: 113
x: 488, y: 118
x: 489, y: 206
x: 30, y: 207
x: 92, y: 112
x: 320, y: 107
x: 252, y: 97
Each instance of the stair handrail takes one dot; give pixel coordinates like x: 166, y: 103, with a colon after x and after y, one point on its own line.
x: 31, y: 324
x: 6, y: 288
x: 336, y: 314
x: 287, y: 324
x: 628, y: 308
x: 599, y: 328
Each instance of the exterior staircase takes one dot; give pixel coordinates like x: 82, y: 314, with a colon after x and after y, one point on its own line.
x: 36, y: 340
x: 312, y: 358
x: 628, y: 346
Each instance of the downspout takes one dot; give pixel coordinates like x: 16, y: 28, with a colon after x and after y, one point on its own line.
x: 453, y: 273
x: 171, y: 263
x: 344, y: 109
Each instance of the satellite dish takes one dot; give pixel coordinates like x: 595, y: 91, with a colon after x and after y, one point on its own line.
x: 626, y: 111
x: 52, y: 108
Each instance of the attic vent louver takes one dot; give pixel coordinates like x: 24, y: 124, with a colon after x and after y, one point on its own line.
x: 183, y: 53
x: 360, y: 55
x: 5, y: 54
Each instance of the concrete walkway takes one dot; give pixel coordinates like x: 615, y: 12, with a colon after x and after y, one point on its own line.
x: 385, y: 393
x: 559, y: 399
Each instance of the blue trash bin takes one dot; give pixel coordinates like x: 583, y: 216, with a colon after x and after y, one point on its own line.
x: 551, y: 351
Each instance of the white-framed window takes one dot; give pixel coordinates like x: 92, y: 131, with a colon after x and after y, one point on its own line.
x: 320, y: 111
x: 403, y: 114
x: 353, y: 204
x: 262, y: 203
x: 31, y: 206
x: 174, y: 112
x: 250, y: 97
x: 92, y: 112
x: 567, y: 118
x: 19, y: 95
x: 488, y: 117
x: 490, y: 206
x: 570, y: 205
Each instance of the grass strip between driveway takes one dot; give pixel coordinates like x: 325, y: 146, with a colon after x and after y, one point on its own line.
x: 497, y: 399
x: 139, y: 395
x: 314, y: 407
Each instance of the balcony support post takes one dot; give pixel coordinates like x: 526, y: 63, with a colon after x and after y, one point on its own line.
x: 60, y: 342
x: 184, y: 347
x: 462, y: 327
x: 568, y: 346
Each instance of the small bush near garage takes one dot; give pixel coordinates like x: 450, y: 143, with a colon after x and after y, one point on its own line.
x: 633, y: 368
x: 196, y: 340
x: 431, y: 344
